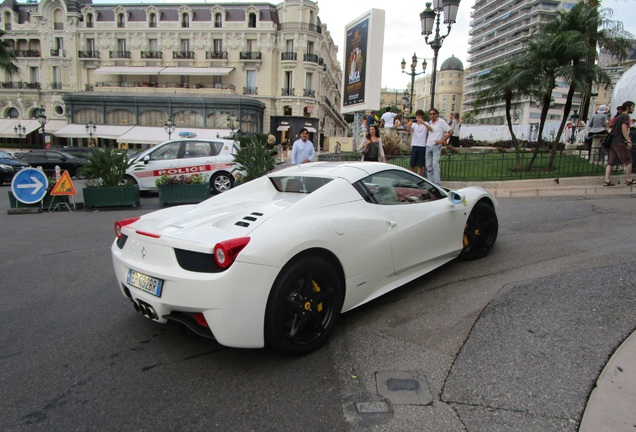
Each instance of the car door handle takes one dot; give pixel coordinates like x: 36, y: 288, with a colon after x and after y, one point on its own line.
x: 391, y: 224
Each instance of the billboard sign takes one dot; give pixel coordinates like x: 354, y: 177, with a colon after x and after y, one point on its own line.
x: 362, y: 82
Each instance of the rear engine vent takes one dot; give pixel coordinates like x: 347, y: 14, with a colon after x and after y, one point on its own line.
x: 252, y: 217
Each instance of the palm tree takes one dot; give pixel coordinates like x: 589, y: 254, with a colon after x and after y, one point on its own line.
x: 7, y: 56
x: 503, y: 82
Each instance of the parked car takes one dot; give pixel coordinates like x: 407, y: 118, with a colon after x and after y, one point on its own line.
x: 185, y: 156
x: 48, y: 159
x: 80, y: 152
x: 275, y: 261
x: 9, y: 166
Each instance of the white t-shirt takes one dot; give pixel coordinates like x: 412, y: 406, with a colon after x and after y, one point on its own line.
x: 389, y: 118
x: 418, y: 135
x: 440, y: 127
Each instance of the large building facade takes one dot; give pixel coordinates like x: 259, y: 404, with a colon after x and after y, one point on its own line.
x: 255, y: 67
x: 498, y: 32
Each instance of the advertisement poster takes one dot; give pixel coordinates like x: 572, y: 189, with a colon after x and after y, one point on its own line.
x: 356, y: 60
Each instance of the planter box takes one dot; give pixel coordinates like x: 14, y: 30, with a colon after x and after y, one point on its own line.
x: 184, y: 193
x: 48, y: 202
x: 116, y: 196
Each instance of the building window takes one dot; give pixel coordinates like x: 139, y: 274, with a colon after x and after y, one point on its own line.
x: 250, y: 45
x: 120, y: 20
x: 218, y: 46
x: 252, y: 20
x: 287, y: 110
x: 89, y: 21
x: 289, y: 80
x: 34, y: 73
x: 251, y: 79
x: 90, y: 45
x: 58, y: 20
x: 309, y: 79
x: 218, y: 20
x: 217, y: 81
x: 153, y: 20
x: 185, y: 45
x: 185, y: 20
x: 289, y: 45
x: 450, y: 83
x: 121, y: 45
x: 310, y: 47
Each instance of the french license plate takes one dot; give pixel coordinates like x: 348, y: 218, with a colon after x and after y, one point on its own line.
x: 145, y: 282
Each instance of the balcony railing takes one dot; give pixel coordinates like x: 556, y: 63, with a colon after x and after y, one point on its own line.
x: 119, y: 54
x: 250, y: 90
x: 287, y: 92
x: 56, y: 85
x: 194, y: 86
x: 309, y: 93
x: 27, y: 53
x: 311, y: 58
x: 299, y: 26
x: 183, y: 54
x: 289, y: 56
x: 152, y: 24
x: 250, y: 55
x: 216, y: 55
x: 151, y: 55
x: 88, y: 54
x: 58, y: 53
x: 20, y: 85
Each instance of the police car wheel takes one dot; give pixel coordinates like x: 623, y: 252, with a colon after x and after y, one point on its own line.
x: 221, y: 182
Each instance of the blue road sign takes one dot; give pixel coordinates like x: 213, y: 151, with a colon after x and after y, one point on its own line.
x: 29, y: 185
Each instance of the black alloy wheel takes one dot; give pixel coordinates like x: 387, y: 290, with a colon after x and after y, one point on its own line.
x: 303, y: 307
x: 480, y: 232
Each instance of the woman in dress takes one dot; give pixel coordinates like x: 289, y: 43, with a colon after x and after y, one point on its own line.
x: 371, y: 149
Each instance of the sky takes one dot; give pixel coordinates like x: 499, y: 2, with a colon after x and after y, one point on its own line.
x: 402, y: 32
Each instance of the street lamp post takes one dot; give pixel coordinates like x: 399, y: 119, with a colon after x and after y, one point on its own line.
x: 20, y: 132
x: 169, y: 127
x: 413, y: 74
x: 430, y: 19
x: 90, y: 130
x: 43, y: 121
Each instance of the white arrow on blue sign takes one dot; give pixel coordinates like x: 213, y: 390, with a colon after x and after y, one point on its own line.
x: 29, y: 185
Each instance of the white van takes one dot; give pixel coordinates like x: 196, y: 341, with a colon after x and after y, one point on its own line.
x: 184, y: 156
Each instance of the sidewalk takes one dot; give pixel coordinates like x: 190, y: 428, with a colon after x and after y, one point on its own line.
x: 549, y: 187
x: 611, y: 404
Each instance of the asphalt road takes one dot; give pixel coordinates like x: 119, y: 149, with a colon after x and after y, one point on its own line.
x: 512, y: 342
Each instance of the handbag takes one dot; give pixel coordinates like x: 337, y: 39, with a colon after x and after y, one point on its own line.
x: 607, y: 142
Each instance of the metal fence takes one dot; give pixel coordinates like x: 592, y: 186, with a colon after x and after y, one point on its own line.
x: 495, y: 166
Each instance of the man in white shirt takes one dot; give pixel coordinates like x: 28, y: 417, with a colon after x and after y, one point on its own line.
x: 388, y: 118
x: 438, y: 133
x: 303, y: 149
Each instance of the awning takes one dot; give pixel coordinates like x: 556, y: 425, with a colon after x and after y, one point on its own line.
x: 129, y: 70
x: 310, y: 129
x: 223, y: 71
x: 54, y: 125
x: 282, y: 128
x: 101, y: 131
x: 7, y: 127
x: 155, y: 135
x: 161, y: 70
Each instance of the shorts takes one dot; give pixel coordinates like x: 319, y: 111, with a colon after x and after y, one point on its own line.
x: 619, y: 152
x: 454, y: 141
x: 418, y: 156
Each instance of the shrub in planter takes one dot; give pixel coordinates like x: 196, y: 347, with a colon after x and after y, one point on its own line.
x: 253, y: 160
x: 183, y: 189
x: 106, y: 187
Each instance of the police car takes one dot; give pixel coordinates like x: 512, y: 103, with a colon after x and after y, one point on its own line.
x: 185, y: 156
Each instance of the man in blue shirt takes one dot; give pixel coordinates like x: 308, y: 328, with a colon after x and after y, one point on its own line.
x: 303, y: 149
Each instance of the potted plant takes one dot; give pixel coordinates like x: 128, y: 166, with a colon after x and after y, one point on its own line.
x: 183, y: 189
x: 105, y: 185
x: 252, y: 160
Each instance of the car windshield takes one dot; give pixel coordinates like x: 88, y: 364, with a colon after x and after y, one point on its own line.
x: 5, y: 155
x: 298, y: 184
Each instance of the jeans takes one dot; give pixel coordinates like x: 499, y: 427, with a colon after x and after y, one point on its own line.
x: 433, y: 154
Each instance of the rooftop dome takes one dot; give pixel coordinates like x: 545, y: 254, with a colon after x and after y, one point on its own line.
x: 452, y: 63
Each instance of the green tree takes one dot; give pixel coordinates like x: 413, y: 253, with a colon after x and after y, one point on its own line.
x: 7, y: 56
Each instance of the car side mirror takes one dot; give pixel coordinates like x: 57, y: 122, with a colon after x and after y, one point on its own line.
x: 456, y: 198
x: 146, y: 159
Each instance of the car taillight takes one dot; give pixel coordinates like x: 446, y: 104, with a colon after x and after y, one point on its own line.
x: 122, y: 223
x: 226, y: 251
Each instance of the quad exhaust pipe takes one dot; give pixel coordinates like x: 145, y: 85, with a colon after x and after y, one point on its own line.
x: 145, y: 309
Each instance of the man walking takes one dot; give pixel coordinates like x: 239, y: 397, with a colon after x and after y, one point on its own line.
x: 621, y: 145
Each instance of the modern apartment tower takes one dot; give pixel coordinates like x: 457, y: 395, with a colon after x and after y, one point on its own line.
x: 498, y: 31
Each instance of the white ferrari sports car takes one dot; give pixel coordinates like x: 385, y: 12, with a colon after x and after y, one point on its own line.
x: 274, y: 262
